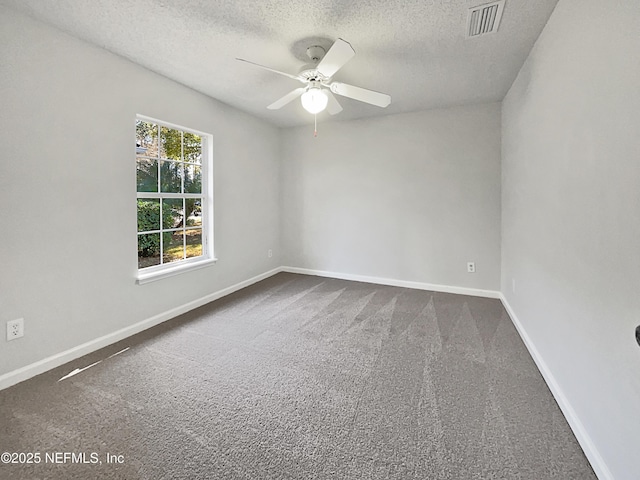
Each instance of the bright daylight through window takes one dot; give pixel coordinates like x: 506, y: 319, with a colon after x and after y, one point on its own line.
x: 174, y: 202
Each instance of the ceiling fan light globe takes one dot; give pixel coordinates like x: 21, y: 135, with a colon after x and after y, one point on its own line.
x: 314, y: 100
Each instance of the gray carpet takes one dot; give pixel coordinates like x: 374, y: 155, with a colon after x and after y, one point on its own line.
x: 301, y: 377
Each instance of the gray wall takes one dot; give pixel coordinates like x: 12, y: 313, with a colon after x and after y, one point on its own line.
x: 410, y: 197
x: 67, y: 186
x: 571, y: 215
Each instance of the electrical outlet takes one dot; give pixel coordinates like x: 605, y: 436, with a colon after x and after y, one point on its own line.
x: 471, y: 267
x: 15, y: 329
x: 270, y: 253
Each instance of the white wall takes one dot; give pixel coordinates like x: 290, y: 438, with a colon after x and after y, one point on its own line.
x: 410, y: 197
x: 67, y: 186
x: 571, y: 215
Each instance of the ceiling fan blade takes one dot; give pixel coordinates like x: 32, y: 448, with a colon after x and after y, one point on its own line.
x: 339, y: 54
x: 333, y: 106
x: 289, y: 97
x: 295, y: 77
x: 361, y: 94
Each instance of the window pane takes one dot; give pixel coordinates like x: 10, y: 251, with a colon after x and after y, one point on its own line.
x: 193, y: 179
x: 170, y: 143
x: 148, y: 214
x: 193, y: 209
x: 172, y: 213
x: 174, y: 248
x: 171, y: 177
x: 147, y: 175
x: 148, y: 250
x: 146, y: 139
x: 192, y: 147
x: 169, y: 166
x: 194, y: 242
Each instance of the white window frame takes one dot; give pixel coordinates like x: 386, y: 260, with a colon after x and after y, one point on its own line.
x: 157, y: 272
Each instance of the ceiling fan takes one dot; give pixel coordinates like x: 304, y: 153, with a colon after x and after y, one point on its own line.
x: 317, y: 94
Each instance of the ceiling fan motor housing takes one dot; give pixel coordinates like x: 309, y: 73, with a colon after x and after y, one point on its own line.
x: 315, y: 53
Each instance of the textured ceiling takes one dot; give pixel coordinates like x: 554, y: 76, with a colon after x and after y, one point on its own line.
x: 414, y: 50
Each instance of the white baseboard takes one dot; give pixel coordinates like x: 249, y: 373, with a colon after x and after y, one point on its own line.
x: 597, y: 462
x: 41, y: 366
x: 396, y: 283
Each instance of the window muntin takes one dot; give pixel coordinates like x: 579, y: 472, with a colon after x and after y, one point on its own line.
x: 173, y: 197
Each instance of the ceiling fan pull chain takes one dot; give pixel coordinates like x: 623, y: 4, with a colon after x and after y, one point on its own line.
x: 315, y: 124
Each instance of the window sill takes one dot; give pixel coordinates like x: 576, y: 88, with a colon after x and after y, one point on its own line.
x: 148, y: 277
